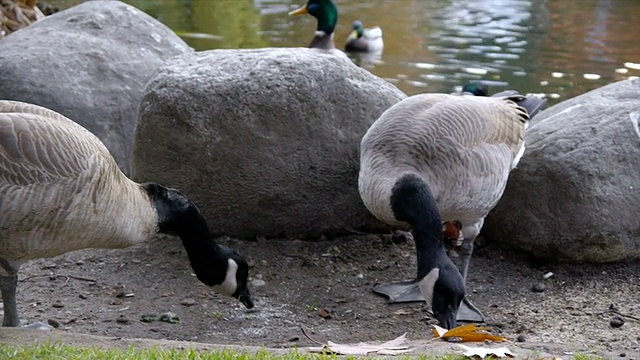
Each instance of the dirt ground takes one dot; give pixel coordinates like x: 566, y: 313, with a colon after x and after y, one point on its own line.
x: 324, y: 287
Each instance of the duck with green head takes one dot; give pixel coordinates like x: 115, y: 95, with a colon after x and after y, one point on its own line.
x: 364, y: 40
x: 326, y: 12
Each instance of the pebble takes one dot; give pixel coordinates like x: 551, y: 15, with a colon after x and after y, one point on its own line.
x: 324, y: 313
x: 82, y: 296
x: 58, y: 304
x: 53, y: 322
x: 521, y: 338
x: 539, y: 287
x: 123, y: 320
x: 188, y: 302
x: 79, y: 262
x: 616, y: 322
x: 258, y: 282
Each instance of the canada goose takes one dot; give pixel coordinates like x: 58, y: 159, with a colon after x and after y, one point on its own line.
x: 364, y: 40
x: 326, y: 12
x: 434, y: 155
x: 61, y: 190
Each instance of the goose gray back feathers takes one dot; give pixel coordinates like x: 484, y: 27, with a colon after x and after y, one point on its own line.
x: 463, y: 147
x: 49, y: 167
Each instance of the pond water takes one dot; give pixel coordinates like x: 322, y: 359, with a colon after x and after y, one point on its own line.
x: 560, y: 48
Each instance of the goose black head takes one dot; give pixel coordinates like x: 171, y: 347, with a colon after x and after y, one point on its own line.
x: 440, y: 282
x: 217, y: 266
x: 443, y: 289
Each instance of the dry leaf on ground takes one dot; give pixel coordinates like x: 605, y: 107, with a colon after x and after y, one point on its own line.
x: 479, y: 352
x: 393, y: 347
x: 464, y: 333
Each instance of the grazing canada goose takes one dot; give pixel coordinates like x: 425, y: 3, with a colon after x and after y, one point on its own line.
x: 61, y: 190
x: 435, y: 157
x: 326, y: 12
x: 364, y: 40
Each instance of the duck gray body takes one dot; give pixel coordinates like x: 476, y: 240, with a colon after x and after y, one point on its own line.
x: 61, y: 191
x: 462, y: 149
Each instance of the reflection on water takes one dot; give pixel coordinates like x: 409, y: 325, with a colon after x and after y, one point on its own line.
x: 557, y: 48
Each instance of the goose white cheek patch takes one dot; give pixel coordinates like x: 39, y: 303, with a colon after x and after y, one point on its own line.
x: 229, y: 285
x: 427, y: 284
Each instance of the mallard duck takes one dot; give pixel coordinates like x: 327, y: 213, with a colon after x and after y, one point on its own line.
x: 364, y: 40
x: 326, y: 12
x: 475, y: 88
x: 434, y: 157
x: 61, y: 191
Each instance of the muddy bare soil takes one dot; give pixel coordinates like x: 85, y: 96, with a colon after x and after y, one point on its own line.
x: 325, y: 288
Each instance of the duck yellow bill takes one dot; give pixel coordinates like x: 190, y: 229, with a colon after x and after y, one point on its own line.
x: 300, y: 11
x: 353, y: 34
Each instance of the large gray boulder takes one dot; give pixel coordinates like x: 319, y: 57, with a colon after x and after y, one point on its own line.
x: 575, y: 194
x: 265, y: 141
x: 89, y: 63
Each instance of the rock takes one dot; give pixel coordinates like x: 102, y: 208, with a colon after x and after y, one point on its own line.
x: 616, y: 322
x: 53, y: 322
x: 575, y: 194
x: 539, y: 287
x: 39, y: 326
x: 170, y: 318
x: 258, y: 282
x: 123, y: 320
x: 89, y: 63
x: 188, y: 302
x: 58, y: 304
x: 521, y: 338
x: 266, y: 142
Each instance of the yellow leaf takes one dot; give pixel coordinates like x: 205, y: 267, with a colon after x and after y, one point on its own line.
x: 471, y: 332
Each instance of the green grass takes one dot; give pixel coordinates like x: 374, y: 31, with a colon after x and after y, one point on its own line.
x: 57, y: 351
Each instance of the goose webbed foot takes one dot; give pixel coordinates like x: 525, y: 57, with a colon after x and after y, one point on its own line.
x: 408, y: 291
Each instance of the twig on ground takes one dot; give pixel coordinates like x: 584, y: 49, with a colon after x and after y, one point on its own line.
x: 54, y: 275
x: 310, y: 338
x: 619, y: 314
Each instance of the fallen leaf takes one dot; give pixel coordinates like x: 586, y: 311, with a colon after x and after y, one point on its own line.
x: 478, y: 352
x: 438, y: 331
x: 464, y: 333
x: 402, y: 312
x: 393, y: 347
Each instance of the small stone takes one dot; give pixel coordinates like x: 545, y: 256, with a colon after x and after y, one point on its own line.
x: 39, y: 326
x: 120, y: 294
x: 251, y: 263
x: 521, y: 338
x: 616, y: 322
x: 79, y: 262
x: 58, y: 305
x: 324, y: 313
x: 82, y: 296
x: 539, y: 287
x: 53, y: 322
x: 149, y: 318
x: 258, y: 282
x: 167, y: 294
x: 170, y: 318
x: 294, y: 338
x: 188, y: 302
x: 123, y: 320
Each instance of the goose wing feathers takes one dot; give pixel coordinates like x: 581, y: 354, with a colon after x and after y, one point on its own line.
x: 462, y: 146
x: 39, y: 146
